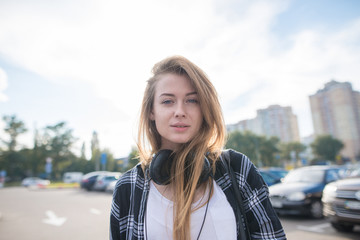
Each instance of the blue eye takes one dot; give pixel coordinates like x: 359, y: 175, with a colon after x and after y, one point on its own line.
x: 167, y: 102
x: 192, y: 101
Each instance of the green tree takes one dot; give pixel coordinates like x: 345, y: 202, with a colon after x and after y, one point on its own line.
x: 247, y: 143
x: 133, y: 158
x: 80, y: 164
x: 83, y: 150
x: 111, y: 165
x: 36, y: 156
x: 95, y: 151
x: 326, y: 147
x: 287, y: 148
x: 14, y: 127
x: 58, y: 141
x: 13, y: 161
x: 268, y: 149
x: 259, y: 149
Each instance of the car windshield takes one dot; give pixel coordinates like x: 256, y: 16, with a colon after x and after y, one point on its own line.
x: 313, y: 176
x: 267, y: 178
x: 110, y: 178
x: 279, y: 173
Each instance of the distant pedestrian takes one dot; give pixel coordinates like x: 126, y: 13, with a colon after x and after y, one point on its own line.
x: 186, y: 186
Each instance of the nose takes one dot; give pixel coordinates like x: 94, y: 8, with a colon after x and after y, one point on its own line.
x: 180, y: 110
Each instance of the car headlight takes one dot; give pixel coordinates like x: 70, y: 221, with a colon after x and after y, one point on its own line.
x: 329, y: 192
x: 296, y: 196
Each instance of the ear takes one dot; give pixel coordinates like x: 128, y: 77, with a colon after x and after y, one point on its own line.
x: 152, y: 116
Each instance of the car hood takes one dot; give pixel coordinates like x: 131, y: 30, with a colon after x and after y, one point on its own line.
x: 288, y: 188
x: 347, y: 184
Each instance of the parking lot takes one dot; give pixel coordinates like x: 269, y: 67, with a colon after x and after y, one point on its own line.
x: 79, y: 214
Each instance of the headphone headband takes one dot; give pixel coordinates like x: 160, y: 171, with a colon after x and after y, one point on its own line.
x: 161, y: 164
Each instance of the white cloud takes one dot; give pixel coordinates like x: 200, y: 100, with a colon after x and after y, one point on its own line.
x: 3, y: 85
x: 112, y: 45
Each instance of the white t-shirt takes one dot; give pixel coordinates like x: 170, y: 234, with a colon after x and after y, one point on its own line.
x: 219, y: 223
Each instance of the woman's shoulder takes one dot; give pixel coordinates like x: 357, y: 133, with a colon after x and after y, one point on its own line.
x: 243, y: 166
x: 238, y: 161
x: 235, y: 157
x: 130, y: 176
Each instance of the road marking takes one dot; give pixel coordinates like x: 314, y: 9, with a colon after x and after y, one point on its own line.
x: 317, y: 228
x: 95, y: 211
x: 53, y: 219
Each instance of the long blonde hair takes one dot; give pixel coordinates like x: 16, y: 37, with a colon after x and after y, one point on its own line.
x: 209, y: 140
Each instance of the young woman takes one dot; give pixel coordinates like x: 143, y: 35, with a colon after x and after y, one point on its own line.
x: 182, y: 189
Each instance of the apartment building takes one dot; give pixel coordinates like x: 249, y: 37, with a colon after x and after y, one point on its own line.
x: 336, y: 111
x: 272, y: 121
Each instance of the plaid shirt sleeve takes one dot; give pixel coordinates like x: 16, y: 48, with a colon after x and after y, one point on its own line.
x: 128, y: 206
x: 262, y: 220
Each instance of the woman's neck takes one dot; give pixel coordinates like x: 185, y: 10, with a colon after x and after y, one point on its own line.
x: 168, y: 191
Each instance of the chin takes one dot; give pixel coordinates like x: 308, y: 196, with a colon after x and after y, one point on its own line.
x: 175, y: 144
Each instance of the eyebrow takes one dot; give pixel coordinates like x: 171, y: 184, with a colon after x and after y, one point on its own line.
x: 172, y: 95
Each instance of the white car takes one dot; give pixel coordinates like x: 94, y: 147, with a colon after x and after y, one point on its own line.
x: 72, y: 177
x: 34, y: 181
x: 111, y: 186
x: 103, y: 181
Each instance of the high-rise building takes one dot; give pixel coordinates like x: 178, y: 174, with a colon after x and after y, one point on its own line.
x: 273, y: 121
x: 336, y: 111
x: 279, y: 121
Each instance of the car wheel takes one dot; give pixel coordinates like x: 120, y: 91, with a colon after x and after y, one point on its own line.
x: 341, y: 227
x: 316, y: 210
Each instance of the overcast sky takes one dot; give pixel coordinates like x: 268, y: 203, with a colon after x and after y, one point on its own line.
x: 86, y: 62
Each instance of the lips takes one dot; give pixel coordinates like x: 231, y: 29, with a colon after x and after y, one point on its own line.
x: 180, y: 125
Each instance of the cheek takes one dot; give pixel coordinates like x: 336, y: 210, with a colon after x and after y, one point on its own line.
x: 199, y: 119
x: 199, y: 114
x: 160, y: 120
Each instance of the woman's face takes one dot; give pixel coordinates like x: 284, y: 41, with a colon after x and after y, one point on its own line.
x: 176, y: 110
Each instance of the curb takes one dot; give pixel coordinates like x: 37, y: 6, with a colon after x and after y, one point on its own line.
x: 58, y: 187
x: 61, y: 186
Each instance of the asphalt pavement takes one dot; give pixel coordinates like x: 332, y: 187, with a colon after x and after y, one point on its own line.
x: 58, y: 214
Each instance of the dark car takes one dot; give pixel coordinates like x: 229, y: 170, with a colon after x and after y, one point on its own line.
x: 89, y: 179
x: 341, y: 200
x: 104, y: 180
x: 269, y: 178
x: 278, y: 172
x: 273, y: 175
x: 301, y: 190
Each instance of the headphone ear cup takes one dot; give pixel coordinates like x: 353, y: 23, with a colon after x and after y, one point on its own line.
x: 160, y: 167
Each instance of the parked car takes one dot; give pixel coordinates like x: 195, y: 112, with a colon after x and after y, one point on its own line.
x: 341, y: 200
x: 355, y: 172
x: 111, y: 186
x: 301, y: 190
x: 72, y: 177
x: 269, y: 178
x: 89, y: 179
x: 102, y: 181
x: 278, y: 172
x: 34, y: 181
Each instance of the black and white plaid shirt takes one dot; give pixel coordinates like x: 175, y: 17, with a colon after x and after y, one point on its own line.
x: 131, y: 193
